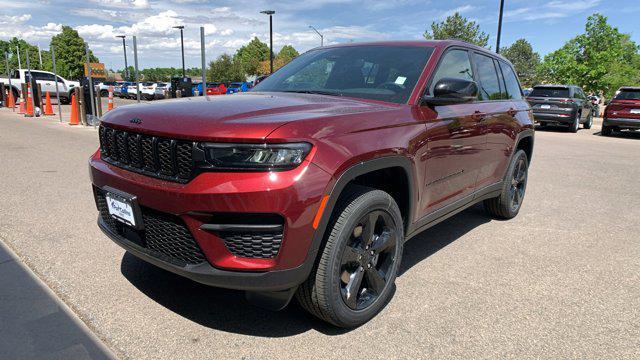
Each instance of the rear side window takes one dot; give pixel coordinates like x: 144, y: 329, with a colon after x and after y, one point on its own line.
x: 488, y: 78
x: 628, y: 94
x: 556, y: 92
x: 455, y: 64
x: 511, y: 82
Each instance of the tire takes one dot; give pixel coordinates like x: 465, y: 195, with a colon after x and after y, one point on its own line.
x: 606, y: 131
x: 64, y: 100
x: 576, y: 123
x: 345, y: 258
x: 104, y: 93
x: 589, y: 122
x: 503, y: 206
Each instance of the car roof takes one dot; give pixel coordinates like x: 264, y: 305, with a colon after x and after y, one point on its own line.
x: 553, y: 86
x: 420, y: 43
x: 635, y: 88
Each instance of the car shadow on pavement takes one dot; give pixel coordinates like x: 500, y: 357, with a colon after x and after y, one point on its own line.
x: 227, y: 310
x: 217, y: 308
x: 436, y: 238
x: 635, y: 135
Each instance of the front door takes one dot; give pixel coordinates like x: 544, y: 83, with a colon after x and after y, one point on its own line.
x: 455, y: 140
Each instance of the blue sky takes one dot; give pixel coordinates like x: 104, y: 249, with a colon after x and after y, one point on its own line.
x: 547, y: 24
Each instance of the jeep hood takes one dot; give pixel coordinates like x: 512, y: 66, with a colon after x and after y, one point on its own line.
x: 245, y: 116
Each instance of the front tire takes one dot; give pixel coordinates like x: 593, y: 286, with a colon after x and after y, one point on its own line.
x: 508, y: 203
x: 354, y: 277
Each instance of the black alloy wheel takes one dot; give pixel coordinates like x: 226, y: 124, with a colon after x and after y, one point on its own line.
x: 518, y: 184
x: 368, y: 259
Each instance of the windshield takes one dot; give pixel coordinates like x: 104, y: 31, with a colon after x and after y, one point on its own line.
x: 556, y: 92
x: 376, y: 72
x: 628, y: 94
x: 236, y: 84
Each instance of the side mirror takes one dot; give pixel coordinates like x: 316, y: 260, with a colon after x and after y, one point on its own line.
x: 451, y: 91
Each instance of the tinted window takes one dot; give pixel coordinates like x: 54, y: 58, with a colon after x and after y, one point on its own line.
x: 454, y: 64
x: 386, y: 73
x: 503, y: 90
x: 557, y: 92
x: 628, y: 94
x: 511, y: 81
x: 42, y: 76
x: 488, y: 78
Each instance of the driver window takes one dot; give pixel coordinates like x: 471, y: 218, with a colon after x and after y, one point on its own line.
x: 454, y: 64
x: 312, y: 76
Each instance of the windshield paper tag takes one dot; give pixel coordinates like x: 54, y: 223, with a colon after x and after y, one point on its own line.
x: 400, y: 80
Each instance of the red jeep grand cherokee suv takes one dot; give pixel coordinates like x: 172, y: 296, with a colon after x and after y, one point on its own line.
x: 310, y: 183
x: 623, y: 112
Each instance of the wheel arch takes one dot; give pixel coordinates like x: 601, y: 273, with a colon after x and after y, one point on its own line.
x: 368, y: 173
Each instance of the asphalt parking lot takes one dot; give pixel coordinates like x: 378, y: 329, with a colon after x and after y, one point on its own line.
x: 559, y: 281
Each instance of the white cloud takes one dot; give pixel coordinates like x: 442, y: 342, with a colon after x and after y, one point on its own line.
x: 138, y: 4
x: 210, y: 29
x: 226, y: 32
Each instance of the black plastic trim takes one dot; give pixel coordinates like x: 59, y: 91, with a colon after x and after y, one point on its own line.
x: 206, y: 274
x: 242, y: 227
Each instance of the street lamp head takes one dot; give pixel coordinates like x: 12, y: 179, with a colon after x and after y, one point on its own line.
x: 268, y: 12
x: 121, y: 36
x: 179, y: 27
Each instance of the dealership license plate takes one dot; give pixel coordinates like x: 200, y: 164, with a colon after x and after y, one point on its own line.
x: 545, y: 106
x: 121, y: 209
x: 635, y: 111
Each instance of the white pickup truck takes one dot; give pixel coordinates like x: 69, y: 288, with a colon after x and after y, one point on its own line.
x: 47, y: 81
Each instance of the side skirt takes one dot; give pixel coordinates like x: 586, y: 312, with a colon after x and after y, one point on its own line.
x: 450, y: 210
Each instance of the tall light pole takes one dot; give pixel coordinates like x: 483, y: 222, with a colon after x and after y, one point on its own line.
x: 124, y: 48
x: 181, y: 46
x: 318, y: 32
x: 270, y: 13
x: 499, y: 26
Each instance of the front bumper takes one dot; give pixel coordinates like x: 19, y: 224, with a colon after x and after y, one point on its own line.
x: 623, y: 123
x: 295, y: 195
x: 206, y: 274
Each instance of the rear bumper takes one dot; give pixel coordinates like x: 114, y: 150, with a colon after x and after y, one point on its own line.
x: 622, y: 123
x: 558, y: 118
x: 206, y: 274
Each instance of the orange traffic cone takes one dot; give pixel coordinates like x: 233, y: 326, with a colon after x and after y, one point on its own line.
x: 10, y: 101
x: 22, y: 108
x: 29, y: 104
x: 48, y: 109
x: 73, y: 120
x: 110, y: 105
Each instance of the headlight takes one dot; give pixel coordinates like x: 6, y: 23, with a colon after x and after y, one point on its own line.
x: 255, y: 156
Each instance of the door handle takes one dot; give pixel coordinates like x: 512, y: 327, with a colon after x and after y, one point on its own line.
x: 478, y: 115
x: 512, y: 112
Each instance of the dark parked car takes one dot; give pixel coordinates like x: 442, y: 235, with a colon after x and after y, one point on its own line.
x: 623, y: 111
x: 561, y: 105
x: 310, y: 184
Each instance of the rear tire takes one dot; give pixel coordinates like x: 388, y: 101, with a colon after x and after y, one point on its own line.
x: 508, y: 203
x: 353, y: 281
x: 606, y: 131
x: 589, y: 122
x: 576, y: 124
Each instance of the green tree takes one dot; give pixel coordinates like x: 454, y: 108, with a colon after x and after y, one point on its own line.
x: 600, y: 59
x: 286, y: 54
x: 12, y: 46
x: 459, y: 28
x: 225, y: 68
x: 70, y: 53
x: 524, y: 59
x: 251, y: 55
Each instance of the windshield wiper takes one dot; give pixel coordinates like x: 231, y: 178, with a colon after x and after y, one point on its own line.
x: 318, y: 92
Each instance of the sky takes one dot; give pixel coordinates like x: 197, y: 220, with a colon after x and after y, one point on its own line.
x: 547, y: 24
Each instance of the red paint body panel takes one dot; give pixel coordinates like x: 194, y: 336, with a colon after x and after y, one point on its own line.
x: 453, y: 151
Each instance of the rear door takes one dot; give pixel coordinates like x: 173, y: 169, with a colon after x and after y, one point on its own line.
x: 455, y: 139
x: 45, y: 80
x: 497, y: 122
x: 583, y: 103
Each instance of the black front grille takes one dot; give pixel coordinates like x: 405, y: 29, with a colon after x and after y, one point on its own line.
x: 164, y: 236
x: 163, y: 158
x: 253, y: 245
